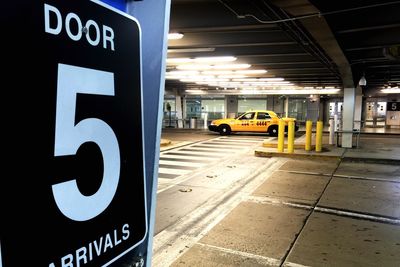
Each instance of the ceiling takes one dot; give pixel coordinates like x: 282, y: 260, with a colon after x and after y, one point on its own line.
x: 309, y: 43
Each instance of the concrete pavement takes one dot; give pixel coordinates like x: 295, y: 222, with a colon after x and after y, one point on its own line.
x: 339, y: 207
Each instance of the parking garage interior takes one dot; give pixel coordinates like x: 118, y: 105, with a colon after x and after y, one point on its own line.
x: 315, y: 61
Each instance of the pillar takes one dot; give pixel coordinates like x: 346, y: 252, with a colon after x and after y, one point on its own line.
x: 179, y: 111
x: 313, y: 108
x: 287, y: 106
x: 349, y: 99
x: 231, y: 106
x: 358, y: 108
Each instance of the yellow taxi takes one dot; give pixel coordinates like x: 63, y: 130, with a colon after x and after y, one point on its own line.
x: 262, y: 121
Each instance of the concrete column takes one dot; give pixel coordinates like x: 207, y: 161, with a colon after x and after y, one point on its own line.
x: 349, y: 99
x: 270, y: 103
x: 184, y: 110
x: 313, y: 108
x: 231, y: 106
x: 179, y: 113
x: 287, y: 106
x: 276, y: 104
x: 358, y: 108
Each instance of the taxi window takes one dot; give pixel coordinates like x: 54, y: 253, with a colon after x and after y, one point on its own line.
x: 247, y: 116
x: 263, y: 116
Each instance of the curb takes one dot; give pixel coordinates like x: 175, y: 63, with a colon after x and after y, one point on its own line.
x: 269, y: 154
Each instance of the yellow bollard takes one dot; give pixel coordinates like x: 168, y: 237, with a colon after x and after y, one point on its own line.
x: 291, y: 136
x: 281, y: 135
x: 318, y: 139
x: 308, y: 135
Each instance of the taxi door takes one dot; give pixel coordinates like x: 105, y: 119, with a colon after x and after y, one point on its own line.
x: 245, y: 122
x: 262, y: 120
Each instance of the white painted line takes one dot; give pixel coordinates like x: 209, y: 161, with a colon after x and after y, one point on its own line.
x: 291, y: 264
x: 200, y: 153
x: 275, y: 201
x: 219, y: 146
x: 163, y: 180
x: 170, y: 243
x: 358, y: 215
x: 367, y: 178
x: 260, y: 259
x: 242, y: 140
x: 310, y: 173
x: 181, y: 163
x: 209, y: 149
x: 211, y: 157
x: 173, y: 171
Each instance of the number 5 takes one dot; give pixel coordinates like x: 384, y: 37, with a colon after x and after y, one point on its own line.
x: 69, y: 137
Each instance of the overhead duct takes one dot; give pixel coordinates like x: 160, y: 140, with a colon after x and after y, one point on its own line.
x: 321, y: 32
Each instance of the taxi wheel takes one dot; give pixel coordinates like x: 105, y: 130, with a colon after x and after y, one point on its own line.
x: 224, y: 130
x: 273, y: 131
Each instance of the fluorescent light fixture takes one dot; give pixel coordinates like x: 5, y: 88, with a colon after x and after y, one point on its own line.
x: 251, y: 71
x: 195, y: 91
x: 183, y: 72
x: 393, y: 90
x: 212, y: 67
x: 232, y: 76
x: 178, y: 60
x: 191, y: 50
x: 175, y: 36
x: 231, y: 66
x: 194, y: 67
x: 217, y: 72
x: 215, y: 59
x: 260, y: 80
x: 204, y: 60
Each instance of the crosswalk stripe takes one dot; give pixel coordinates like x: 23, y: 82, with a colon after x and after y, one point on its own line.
x: 227, y: 147
x: 219, y: 142
x: 179, y: 163
x: 182, y: 155
x: 242, y: 140
x: 198, y: 153
x: 201, y: 149
x: 177, y: 167
x: 183, y: 160
x: 172, y: 171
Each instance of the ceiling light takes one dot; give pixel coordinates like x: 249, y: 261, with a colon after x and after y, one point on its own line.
x: 215, y: 59
x: 260, y: 80
x: 183, y: 72
x: 191, y: 50
x: 214, y: 67
x: 178, y: 60
x: 394, y: 90
x: 194, y: 67
x: 232, y: 66
x: 251, y: 71
x: 362, y: 81
x: 175, y: 36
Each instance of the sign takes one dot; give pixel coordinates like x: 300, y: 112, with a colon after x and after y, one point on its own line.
x: 393, y: 106
x: 73, y: 186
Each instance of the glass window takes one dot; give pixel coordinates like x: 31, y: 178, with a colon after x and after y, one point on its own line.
x: 247, y: 116
x: 263, y: 116
x: 215, y: 108
x: 297, y: 109
x: 251, y: 104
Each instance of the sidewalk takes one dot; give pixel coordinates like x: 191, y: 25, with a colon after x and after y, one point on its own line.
x: 339, y: 207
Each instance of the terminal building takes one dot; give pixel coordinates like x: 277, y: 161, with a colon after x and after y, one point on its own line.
x: 311, y: 60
